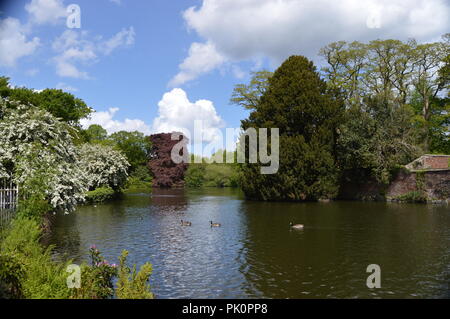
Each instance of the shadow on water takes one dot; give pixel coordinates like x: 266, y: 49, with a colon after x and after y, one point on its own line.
x: 256, y: 254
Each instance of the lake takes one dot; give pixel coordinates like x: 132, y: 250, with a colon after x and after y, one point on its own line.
x: 255, y: 254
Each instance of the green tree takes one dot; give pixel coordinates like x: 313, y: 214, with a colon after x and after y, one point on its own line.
x: 436, y: 130
x: 135, y: 145
x: 38, y: 152
x: 104, y: 166
x: 195, y: 175
x: 376, y: 137
x: 248, y: 96
x: 307, y: 113
x: 96, y: 133
x: 392, y: 69
x: 60, y: 104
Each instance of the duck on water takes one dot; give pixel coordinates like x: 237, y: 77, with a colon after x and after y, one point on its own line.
x: 185, y: 223
x: 296, y: 226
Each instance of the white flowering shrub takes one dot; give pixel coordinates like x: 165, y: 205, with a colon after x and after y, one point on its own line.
x: 103, y: 165
x: 36, y: 148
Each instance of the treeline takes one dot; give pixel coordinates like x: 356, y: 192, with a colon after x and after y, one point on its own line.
x: 134, y: 145
x: 68, y: 110
x: 372, y: 108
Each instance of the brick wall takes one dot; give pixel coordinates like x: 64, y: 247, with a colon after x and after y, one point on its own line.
x: 430, y: 162
x: 436, y: 184
x: 437, y: 162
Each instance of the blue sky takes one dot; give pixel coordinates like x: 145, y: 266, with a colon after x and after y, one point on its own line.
x: 159, y: 65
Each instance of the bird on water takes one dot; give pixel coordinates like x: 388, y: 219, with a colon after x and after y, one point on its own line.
x: 185, y: 223
x: 296, y: 226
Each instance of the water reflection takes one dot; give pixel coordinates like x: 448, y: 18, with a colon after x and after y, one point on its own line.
x: 256, y: 254
x: 169, y: 200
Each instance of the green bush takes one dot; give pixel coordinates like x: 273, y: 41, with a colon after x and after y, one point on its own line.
x: 10, y: 273
x: 100, y: 195
x: 135, y: 185
x: 142, y: 173
x: 139, y: 181
x: 412, y: 197
x: 30, y: 271
x: 132, y: 284
x: 221, y: 175
x: 211, y: 175
x: 96, y: 279
x: 195, y: 175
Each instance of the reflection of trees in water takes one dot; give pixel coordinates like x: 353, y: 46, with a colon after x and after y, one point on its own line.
x: 63, y: 237
x: 173, y: 199
x: 339, y: 241
x: 277, y: 261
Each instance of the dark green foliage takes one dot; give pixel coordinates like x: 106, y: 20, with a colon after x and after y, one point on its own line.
x: 95, y: 133
x: 298, y: 103
x: 307, y: 172
x: 30, y: 271
x: 134, y: 145
x: 10, y: 273
x: 96, y: 279
x: 437, y: 126
x: 60, y: 104
x: 375, y: 137
x: 142, y: 173
x: 307, y: 113
x: 99, y: 195
x: 195, y: 175
x: 211, y: 175
x: 139, y: 181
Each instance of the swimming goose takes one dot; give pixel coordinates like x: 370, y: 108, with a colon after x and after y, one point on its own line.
x: 215, y: 224
x: 185, y: 223
x: 296, y: 226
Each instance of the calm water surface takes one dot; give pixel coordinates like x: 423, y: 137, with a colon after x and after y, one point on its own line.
x: 256, y: 255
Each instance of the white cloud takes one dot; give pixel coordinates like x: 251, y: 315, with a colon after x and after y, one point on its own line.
x: 14, y: 43
x: 65, y: 87
x: 122, y: 38
x: 177, y: 113
x: 118, y: 2
x: 73, y: 49
x: 107, y: 121
x: 202, y: 58
x: 237, y: 30
x: 46, y: 11
x: 77, y: 48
